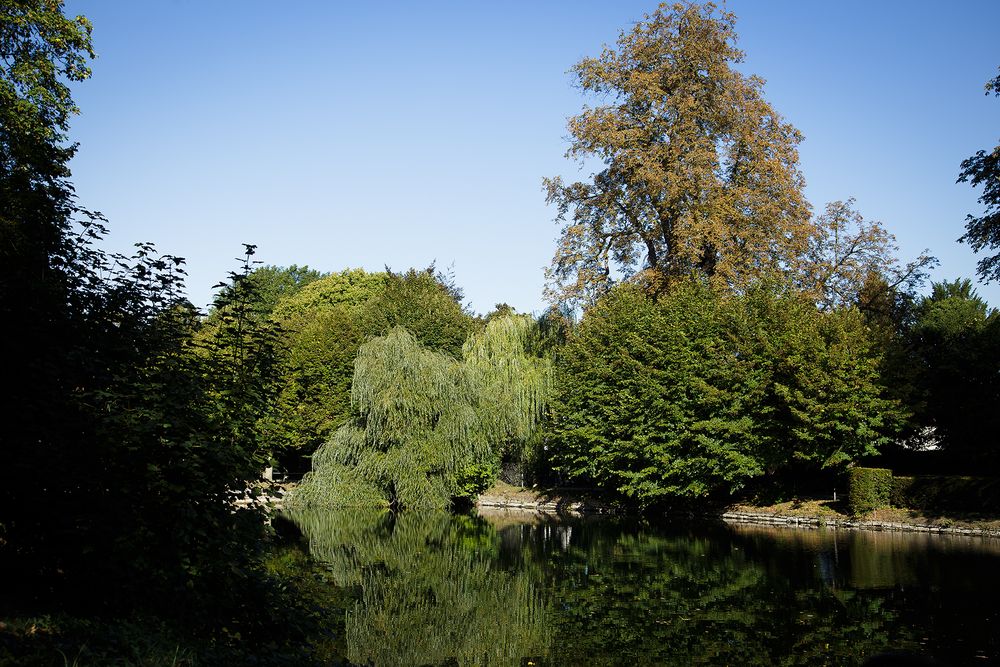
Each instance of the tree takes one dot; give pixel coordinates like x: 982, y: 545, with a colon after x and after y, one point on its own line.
x: 321, y: 325
x: 39, y: 243
x: 695, y: 394
x: 846, y: 252
x: 123, y: 442
x: 351, y: 287
x: 700, y: 172
x: 427, y: 303
x: 811, y: 381
x: 324, y: 324
x: 274, y: 284
x: 43, y: 262
x: 316, y: 365
x: 956, y: 338
x: 41, y: 250
x: 425, y: 423
x: 983, y: 231
x: 643, y: 403
x: 42, y: 50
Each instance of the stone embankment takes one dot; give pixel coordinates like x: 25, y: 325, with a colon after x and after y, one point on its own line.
x: 851, y: 524
x: 513, y: 498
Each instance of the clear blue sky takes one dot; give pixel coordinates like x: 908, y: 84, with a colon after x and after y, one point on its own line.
x: 365, y: 134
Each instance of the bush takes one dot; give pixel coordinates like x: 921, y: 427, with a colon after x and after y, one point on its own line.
x: 869, y: 489
x: 947, y: 493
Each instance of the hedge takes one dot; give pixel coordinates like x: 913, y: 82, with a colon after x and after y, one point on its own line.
x: 947, y: 493
x: 868, y: 489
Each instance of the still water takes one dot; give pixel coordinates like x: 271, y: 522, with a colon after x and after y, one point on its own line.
x: 518, y: 589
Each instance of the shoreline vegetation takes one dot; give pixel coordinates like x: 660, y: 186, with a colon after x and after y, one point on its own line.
x: 805, y: 514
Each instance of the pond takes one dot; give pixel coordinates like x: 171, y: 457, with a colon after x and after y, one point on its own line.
x: 426, y: 588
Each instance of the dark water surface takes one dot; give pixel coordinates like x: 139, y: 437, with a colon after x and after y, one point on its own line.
x: 516, y: 589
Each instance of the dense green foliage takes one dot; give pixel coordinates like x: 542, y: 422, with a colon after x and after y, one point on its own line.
x: 325, y: 323
x: 814, y: 384
x: 322, y: 330
x: 983, y: 231
x: 426, y: 304
x: 939, y: 493
x: 127, y: 433
x: 645, y: 399
x: 956, y: 344
x: 348, y: 288
x: 695, y: 394
x: 272, y: 285
x: 868, y: 489
x: 411, y: 435
x: 426, y: 424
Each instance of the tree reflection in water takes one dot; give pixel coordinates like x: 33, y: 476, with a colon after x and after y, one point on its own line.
x: 688, y: 598
x: 431, y: 591
x: 433, y: 588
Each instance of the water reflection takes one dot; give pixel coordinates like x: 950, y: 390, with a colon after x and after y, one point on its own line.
x: 430, y: 591
x: 873, y: 559
x: 496, y: 590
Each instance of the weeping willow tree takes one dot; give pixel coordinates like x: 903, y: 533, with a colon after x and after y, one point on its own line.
x: 431, y: 589
x: 423, y: 422
x: 511, y: 384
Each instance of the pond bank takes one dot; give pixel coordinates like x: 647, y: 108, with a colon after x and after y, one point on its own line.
x: 549, y: 501
x: 803, y: 514
x: 848, y: 523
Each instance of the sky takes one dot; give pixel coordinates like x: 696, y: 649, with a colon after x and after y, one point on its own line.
x: 374, y: 134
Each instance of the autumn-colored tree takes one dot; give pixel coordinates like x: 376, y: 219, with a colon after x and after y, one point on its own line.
x: 981, y: 232
x: 700, y: 173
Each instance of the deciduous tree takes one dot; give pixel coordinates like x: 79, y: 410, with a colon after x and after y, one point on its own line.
x: 983, y: 231
x: 699, y: 172
x: 695, y: 394
x: 956, y: 338
x: 846, y: 252
x: 424, y: 421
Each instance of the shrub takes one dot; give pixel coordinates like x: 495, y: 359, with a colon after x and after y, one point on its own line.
x: 869, y: 489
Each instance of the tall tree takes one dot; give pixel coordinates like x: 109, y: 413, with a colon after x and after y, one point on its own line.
x: 847, y: 252
x: 700, y: 172
x: 983, y: 231
x: 324, y: 324
x: 39, y: 262
x: 956, y: 337
x: 427, y: 303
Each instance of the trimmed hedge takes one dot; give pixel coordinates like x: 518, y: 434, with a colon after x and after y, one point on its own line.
x: 868, y: 489
x: 947, y: 493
